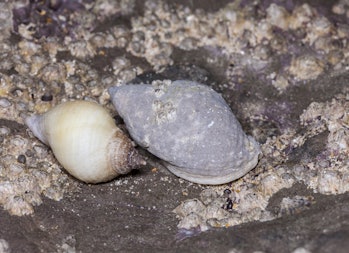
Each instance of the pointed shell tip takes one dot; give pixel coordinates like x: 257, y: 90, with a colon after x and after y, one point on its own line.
x: 34, y: 124
x: 135, y: 159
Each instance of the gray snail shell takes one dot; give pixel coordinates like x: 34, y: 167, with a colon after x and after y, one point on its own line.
x: 190, y: 127
x: 86, y: 141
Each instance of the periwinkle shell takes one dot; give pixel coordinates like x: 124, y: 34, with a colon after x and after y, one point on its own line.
x: 188, y: 125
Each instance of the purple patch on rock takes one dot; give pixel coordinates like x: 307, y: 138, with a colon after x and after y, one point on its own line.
x: 49, y: 17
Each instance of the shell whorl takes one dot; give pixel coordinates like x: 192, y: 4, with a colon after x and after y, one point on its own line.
x: 85, y: 141
x: 190, y: 127
x: 122, y: 156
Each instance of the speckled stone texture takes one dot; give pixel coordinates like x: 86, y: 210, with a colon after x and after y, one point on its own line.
x: 282, y: 67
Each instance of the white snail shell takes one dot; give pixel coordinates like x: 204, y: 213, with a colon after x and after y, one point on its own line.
x: 190, y: 126
x: 86, y: 141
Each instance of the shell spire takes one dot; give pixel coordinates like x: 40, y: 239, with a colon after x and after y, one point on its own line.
x: 134, y: 159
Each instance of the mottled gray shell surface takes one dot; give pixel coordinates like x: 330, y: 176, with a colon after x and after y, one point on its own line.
x: 190, y: 127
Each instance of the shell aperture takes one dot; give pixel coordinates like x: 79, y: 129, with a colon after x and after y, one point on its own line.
x: 190, y: 127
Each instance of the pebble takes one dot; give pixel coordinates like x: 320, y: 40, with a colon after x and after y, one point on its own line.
x: 4, y: 102
x: 21, y: 159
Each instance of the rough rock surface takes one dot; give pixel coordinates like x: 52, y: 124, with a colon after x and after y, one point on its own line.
x: 282, y: 66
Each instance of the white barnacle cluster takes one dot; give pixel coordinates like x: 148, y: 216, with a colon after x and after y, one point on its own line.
x: 247, y: 41
x: 294, y: 205
x: 23, y: 180
x: 222, y: 209
x: 163, y: 107
x: 34, y: 78
x: 326, y: 173
x: 245, y: 201
x: 331, y: 116
x: 160, y: 87
x: 164, y: 111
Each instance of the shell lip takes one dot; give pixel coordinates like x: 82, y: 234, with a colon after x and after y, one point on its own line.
x: 209, y: 179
